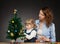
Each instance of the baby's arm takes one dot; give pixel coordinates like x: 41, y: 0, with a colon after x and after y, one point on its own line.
x: 33, y: 34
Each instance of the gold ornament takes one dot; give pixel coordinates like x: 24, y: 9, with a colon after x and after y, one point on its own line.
x: 12, y: 21
x: 19, y: 33
x: 12, y: 34
x: 15, y: 11
x: 8, y: 31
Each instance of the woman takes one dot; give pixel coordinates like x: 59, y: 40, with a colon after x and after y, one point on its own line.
x: 45, y: 26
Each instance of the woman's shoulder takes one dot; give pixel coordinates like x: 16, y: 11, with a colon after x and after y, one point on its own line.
x: 52, y: 24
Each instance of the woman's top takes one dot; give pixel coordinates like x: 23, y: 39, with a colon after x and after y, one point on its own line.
x: 48, y: 32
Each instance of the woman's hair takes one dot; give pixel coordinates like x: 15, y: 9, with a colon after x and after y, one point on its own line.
x: 31, y: 22
x: 48, y: 15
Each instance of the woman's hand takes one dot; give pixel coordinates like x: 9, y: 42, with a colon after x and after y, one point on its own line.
x: 44, y: 38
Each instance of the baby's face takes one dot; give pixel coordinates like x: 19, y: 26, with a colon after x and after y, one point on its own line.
x: 28, y: 26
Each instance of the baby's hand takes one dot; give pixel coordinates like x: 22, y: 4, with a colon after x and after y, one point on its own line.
x: 25, y: 34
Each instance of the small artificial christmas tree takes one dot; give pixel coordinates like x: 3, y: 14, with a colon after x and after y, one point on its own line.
x: 15, y: 28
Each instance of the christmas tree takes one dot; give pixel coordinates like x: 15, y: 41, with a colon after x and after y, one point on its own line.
x: 15, y: 28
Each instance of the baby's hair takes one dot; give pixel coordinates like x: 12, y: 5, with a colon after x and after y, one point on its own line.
x: 31, y: 21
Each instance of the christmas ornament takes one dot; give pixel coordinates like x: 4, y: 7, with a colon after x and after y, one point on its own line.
x: 12, y: 34
x: 8, y: 30
x: 12, y: 21
x: 15, y: 30
x: 19, y: 33
x: 15, y: 11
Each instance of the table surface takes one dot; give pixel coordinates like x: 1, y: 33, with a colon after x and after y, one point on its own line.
x: 26, y: 43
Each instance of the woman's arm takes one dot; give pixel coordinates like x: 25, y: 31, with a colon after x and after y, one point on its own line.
x: 53, y: 36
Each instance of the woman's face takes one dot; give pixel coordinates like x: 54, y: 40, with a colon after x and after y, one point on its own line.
x: 41, y: 15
